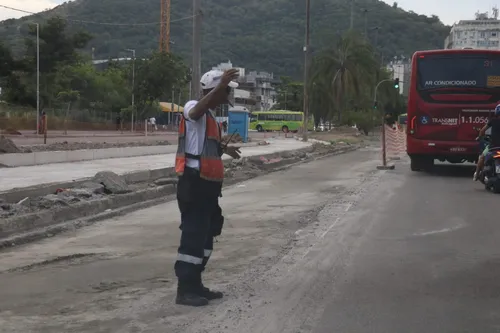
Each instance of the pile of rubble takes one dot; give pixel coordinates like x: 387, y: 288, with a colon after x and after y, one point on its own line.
x: 104, y: 183
x: 65, y: 146
x: 232, y: 138
x: 107, y: 185
x: 7, y: 146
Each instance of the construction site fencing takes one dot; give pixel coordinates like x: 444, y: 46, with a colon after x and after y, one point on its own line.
x: 395, y: 141
x: 15, y: 118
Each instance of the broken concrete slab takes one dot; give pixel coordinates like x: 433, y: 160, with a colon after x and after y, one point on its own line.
x: 93, y: 187
x: 7, y: 146
x: 113, y: 183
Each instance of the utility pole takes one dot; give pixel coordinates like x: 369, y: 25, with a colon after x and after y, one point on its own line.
x: 306, y: 69
x: 352, y: 15
x: 37, y: 79
x: 133, y: 87
x: 365, y: 14
x: 384, y: 165
x: 195, y: 77
x: 165, y: 26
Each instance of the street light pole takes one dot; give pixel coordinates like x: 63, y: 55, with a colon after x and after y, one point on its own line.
x: 365, y: 14
x: 37, y: 79
x: 306, y: 69
x: 197, y: 28
x: 133, y: 86
x: 351, y: 25
x: 37, y: 131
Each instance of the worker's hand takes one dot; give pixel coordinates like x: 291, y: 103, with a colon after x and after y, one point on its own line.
x: 228, y: 76
x: 232, y: 151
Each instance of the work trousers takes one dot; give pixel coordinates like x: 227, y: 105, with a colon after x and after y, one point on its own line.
x: 198, y: 201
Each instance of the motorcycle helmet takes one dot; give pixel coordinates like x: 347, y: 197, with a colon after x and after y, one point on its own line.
x: 497, y: 111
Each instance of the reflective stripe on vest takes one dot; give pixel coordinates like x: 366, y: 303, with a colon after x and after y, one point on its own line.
x: 211, y: 165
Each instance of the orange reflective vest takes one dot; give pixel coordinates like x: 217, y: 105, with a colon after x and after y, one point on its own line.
x: 211, y: 165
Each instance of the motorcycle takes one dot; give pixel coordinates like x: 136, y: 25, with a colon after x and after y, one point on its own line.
x: 490, y: 175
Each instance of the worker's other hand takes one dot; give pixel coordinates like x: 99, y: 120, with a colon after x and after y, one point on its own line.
x: 232, y: 151
x: 228, y: 76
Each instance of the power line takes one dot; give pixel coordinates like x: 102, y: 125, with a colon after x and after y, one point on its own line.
x: 102, y: 23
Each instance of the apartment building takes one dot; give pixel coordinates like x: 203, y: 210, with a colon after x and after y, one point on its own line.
x: 256, y: 91
x: 481, y: 33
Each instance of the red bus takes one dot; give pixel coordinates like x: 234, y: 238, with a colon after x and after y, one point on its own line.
x: 452, y: 94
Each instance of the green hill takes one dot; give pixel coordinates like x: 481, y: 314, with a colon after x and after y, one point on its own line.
x: 265, y: 35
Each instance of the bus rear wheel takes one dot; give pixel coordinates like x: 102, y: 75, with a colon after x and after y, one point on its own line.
x: 285, y: 129
x: 259, y: 128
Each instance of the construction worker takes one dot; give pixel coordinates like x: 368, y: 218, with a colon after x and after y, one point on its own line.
x: 201, y: 171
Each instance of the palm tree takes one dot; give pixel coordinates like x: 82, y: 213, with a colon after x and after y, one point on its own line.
x: 345, y: 71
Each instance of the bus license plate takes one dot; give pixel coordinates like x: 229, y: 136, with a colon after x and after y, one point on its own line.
x: 497, y: 169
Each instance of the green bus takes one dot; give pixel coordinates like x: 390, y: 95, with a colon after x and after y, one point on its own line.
x: 278, y: 120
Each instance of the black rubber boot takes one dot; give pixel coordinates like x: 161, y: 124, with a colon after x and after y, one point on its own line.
x: 190, y: 299
x: 190, y: 296
x: 210, y: 294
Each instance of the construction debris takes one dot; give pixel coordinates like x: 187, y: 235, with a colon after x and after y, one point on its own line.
x: 113, y: 183
x: 7, y: 146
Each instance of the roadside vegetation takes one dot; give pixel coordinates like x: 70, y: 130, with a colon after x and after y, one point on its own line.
x: 73, y: 90
x: 342, y: 84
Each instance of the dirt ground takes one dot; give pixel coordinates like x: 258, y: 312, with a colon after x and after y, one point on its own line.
x: 343, y: 134
x: 94, y: 140
x: 117, y: 276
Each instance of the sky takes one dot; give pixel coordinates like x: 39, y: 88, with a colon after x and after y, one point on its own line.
x: 449, y: 11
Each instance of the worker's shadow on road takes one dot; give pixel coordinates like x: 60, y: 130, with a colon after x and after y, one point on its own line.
x: 450, y: 170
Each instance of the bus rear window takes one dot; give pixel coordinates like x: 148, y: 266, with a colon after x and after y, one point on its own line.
x: 458, y: 70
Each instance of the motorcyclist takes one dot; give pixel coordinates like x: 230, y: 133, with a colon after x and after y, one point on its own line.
x: 494, y: 124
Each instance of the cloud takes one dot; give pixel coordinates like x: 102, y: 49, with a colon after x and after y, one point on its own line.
x: 28, y: 5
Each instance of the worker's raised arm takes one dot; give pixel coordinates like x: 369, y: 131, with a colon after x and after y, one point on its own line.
x: 483, y: 130
x: 216, y: 97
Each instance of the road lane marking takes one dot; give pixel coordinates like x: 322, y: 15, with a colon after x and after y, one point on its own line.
x: 441, y: 231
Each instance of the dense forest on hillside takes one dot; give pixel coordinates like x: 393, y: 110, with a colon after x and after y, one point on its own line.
x: 256, y: 34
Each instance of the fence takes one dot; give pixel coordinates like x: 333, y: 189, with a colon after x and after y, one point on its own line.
x: 16, y: 118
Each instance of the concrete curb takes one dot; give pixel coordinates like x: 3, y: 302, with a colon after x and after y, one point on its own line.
x: 31, y: 227
x: 68, y: 156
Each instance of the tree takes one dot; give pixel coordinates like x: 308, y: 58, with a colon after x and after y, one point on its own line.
x: 58, y: 48
x: 155, y: 79
x: 345, y: 70
x: 289, y: 94
x: 342, y: 84
x: 12, y: 89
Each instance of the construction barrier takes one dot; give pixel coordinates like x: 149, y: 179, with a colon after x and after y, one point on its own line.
x: 395, y: 141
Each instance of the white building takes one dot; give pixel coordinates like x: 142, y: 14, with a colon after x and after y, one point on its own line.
x: 481, y: 33
x: 256, y: 91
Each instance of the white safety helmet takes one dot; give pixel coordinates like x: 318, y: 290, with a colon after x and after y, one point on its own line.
x: 211, y: 79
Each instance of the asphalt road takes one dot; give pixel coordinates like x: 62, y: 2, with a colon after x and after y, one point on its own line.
x: 328, y: 246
